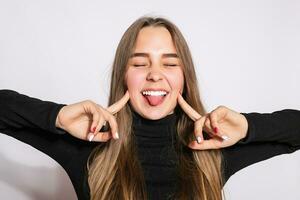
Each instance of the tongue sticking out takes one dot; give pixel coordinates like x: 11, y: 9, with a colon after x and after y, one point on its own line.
x: 155, y: 100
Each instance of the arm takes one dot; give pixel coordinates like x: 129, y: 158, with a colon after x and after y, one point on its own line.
x: 79, y: 119
x: 32, y: 121
x: 20, y: 111
x: 245, y: 138
x: 280, y: 126
x: 268, y: 135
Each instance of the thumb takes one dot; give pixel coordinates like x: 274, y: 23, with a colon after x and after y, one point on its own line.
x: 117, y: 106
x: 212, y: 143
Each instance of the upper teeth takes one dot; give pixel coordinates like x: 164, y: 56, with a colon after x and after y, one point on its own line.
x: 155, y: 93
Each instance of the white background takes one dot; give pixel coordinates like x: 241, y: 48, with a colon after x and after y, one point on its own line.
x: 246, y: 55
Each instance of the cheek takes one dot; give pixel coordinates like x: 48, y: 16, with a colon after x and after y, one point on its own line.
x: 176, y: 81
x: 134, y: 79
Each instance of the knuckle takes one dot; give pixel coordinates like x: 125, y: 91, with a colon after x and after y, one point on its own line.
x: 88, y: 101
x: 85, y: 101
x: 207, y: 123
x: 213, y: 116
x: 221, y: 107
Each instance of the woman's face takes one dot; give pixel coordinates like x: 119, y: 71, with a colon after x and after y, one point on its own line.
x: 154, y: 74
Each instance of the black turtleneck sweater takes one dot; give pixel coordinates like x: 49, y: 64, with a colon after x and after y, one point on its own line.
x: 155, y: 141
x: 32, y: 121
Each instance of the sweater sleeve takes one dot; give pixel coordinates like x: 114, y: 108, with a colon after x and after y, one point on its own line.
x: 280, y: 126
x: 21, y: 111
x: 32, y: 121
x: 268, y: 135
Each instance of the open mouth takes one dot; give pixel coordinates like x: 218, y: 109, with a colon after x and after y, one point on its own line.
x: 154, y: 97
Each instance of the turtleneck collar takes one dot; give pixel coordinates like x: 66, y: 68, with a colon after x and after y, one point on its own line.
x: 139, y: 120
x: 160, y: 128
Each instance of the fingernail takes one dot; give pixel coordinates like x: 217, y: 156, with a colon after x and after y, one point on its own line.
x: 117, y: 135
x: 199, y: 139
x: 224, y: 137
x: 93, y: 129
x: 91, y: 136
x: 216, y: 130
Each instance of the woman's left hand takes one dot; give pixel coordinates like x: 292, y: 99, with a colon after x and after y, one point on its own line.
x: 225, y: 126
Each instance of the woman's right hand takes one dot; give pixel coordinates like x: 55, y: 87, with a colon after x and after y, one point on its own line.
x: 84, y: 119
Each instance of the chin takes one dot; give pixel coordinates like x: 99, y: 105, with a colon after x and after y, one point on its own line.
x: 155, y: 114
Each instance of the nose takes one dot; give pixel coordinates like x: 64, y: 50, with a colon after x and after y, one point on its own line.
x: 154, y: 74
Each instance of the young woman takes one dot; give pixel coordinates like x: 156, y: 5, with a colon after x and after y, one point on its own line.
x: 161, y: 143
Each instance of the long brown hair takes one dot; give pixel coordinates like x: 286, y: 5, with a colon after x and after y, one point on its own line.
x: 114, y: 171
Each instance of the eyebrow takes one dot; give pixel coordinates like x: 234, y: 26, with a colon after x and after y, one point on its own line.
x: 165, y: 55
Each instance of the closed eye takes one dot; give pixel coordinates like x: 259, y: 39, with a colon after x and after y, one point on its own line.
x: 141, y: 65
x: 170, y: 65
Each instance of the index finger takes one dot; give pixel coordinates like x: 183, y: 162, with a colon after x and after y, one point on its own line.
x: 116, y: 107
x: 193, y: 114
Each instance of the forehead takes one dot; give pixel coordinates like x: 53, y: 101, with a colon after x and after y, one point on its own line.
x: 154, y: 39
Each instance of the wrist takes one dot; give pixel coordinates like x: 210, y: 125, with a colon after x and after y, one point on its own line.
x: 57, y: 121
x: 244, y: 132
